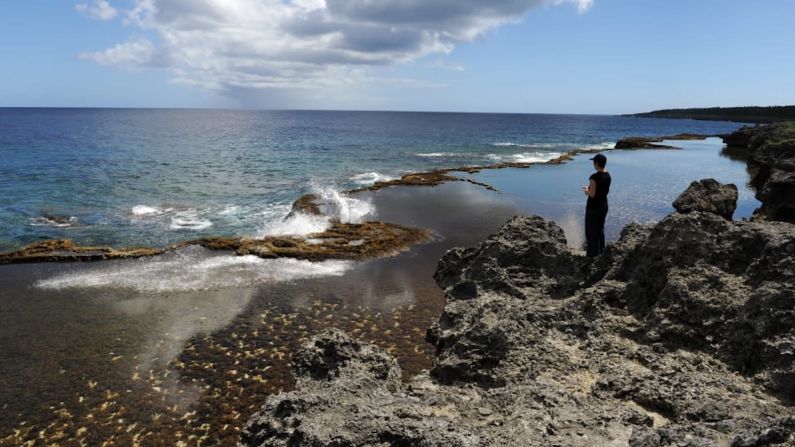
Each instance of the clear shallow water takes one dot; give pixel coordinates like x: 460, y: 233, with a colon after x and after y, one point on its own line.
x: 110, y: 351
x: 645, y: 183
x: 152, y: 177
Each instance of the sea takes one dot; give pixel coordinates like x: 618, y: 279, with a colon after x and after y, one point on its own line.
x: 181, y: 349
x: 151, y: 177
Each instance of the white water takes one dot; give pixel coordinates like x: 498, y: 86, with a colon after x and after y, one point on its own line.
x: 445, y: 154
x: 535, y: 145
x: 43, y: 221
x: 192, y: 269
x: 334, y: 204
x: 526, y: 157
x: 370, y: 178
x: 189, y: 220
x: 146, y: 210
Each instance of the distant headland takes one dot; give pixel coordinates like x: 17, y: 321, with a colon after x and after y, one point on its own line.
x: 737, y: 114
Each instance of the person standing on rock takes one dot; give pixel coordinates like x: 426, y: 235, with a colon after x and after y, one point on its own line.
x: 596, y: 208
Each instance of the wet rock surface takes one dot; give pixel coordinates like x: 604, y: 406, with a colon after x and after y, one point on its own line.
x: 341, y: 241
x: 770, y: 150
x: 681, y: 334
x: 654, y: 142
x: 708, y: 196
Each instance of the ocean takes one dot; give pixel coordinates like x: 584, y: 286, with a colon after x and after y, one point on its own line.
x: 181, y: 349
x: 137, y: 177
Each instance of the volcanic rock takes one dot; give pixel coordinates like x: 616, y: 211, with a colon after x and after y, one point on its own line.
x: 771, y: 161
x: 709, y: 196
x: 681, y: 334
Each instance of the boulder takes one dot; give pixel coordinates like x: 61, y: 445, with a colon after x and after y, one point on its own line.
x: 708, y: 196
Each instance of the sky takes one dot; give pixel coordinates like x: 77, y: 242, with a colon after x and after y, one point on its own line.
x: 517, y: 56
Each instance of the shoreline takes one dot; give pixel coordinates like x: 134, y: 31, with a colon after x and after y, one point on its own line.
x: 680, y: 334
x: 350, y: 241
x: 389, y: 301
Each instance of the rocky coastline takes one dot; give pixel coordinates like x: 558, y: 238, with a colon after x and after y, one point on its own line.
x: 342, y: 240
x: 654, y: 142
x: 681, y: 334
x: 770, y: 153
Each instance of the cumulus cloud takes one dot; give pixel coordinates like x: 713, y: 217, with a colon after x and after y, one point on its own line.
x: 98, y: 10
x: 242, y: 44
x: 132, y: 54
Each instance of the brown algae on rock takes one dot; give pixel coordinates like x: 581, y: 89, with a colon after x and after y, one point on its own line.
x: 341, y: 241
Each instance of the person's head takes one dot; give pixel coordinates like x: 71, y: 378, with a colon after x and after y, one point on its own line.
x: 599, y: 161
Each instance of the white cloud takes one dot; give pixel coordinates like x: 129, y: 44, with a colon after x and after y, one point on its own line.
x: 132, y: 54
x: 99, y: 10
x: 582, y: 5
x: 228, y: 45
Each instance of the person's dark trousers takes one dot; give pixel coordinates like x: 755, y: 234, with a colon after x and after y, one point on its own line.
x: 595, y: 230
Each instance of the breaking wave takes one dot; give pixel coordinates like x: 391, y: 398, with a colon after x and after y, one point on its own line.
x: 189, y: 220
x: 52, y: 221
x: 334, y: 205
x: 370, y: 178
x: 526, y: 157
x: 146, y: 210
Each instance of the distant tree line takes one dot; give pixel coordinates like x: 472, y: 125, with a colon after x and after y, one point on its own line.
x: 740, y: 114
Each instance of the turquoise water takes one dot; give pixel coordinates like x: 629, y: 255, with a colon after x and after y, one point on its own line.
x: 645, y: 183
x: 152, y: 177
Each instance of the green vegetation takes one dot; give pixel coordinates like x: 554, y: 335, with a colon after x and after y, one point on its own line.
x: 738, y: 114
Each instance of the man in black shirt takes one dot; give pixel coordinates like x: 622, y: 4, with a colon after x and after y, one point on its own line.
x: 596, y: 208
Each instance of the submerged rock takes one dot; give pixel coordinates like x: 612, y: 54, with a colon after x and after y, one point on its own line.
x: 709, y: 196
x: 682, y: 333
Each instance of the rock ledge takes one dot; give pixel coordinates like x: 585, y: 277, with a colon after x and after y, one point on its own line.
x: 681, y: 334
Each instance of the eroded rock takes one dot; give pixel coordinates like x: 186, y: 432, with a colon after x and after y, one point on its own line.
x: 341, y: 241
x: 682, y: 333
x: 770, y: 150
x: 709, y: 196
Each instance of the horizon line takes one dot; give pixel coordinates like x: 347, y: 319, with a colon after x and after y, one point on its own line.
x: 303, y: 110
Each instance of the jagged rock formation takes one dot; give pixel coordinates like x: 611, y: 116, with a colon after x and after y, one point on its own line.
x: 709, y: 196
x: 681, y: 334
x: 770, y: 150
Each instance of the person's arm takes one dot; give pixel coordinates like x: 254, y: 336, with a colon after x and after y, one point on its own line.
x: 590, y: 190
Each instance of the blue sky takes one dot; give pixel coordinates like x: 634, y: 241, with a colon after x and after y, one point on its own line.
x: 556, y: 56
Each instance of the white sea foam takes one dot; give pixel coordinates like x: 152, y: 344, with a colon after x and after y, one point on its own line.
x: 297, y: 224
x: 590, y: 147
x: 189, y: 220
x: 370, y: 178
x: 49, y: 221
x: 599, y: 147
x: 334, y: 205
x: 533, y: 145
x: 146, y: 210
x: 440, y: 154
x: 193, y: 269
x: 343, y: 207
x: 229, y: 210
x: 525, y: 157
